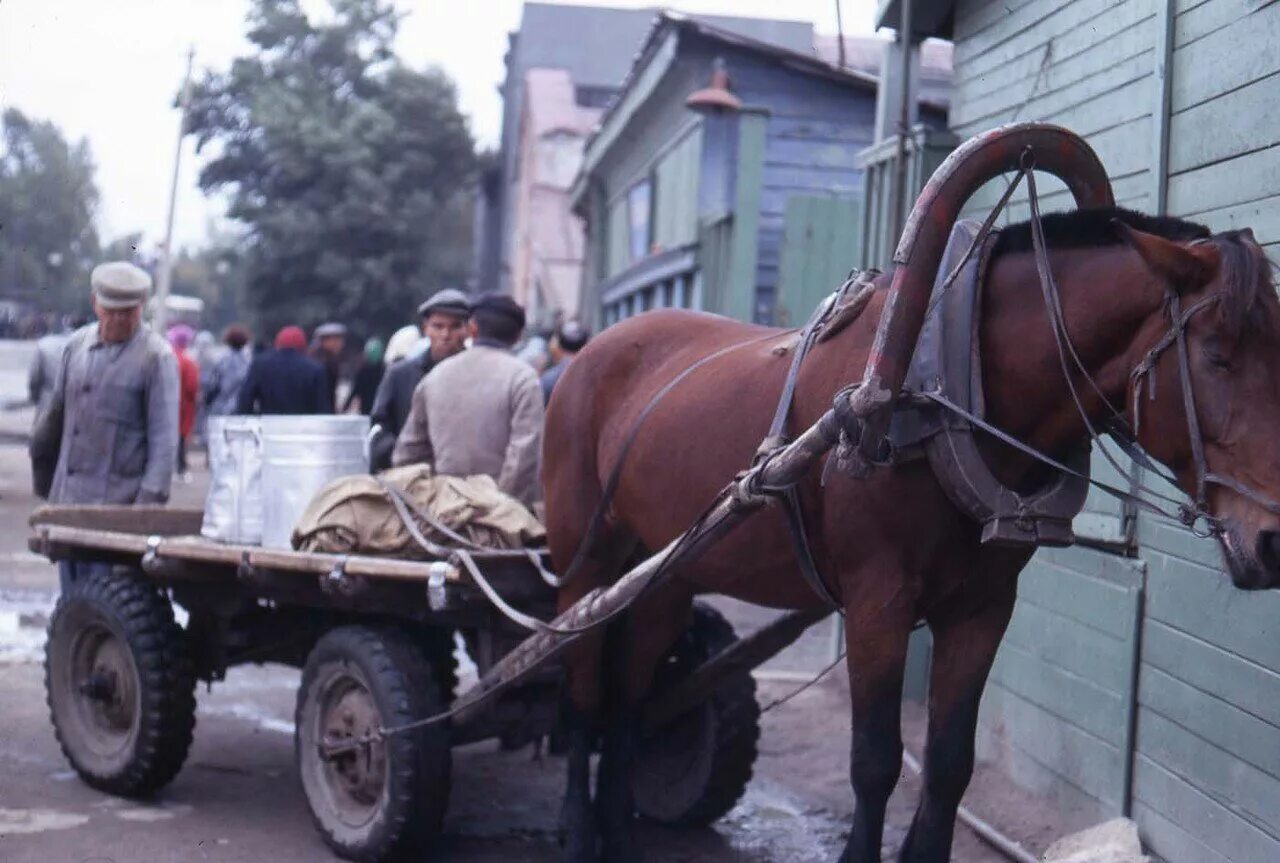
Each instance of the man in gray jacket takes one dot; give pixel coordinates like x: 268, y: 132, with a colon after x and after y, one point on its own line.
x: 481, y: 412
x: 110, y: 428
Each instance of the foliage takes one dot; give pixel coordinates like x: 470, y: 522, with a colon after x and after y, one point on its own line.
x: 348, y: 169
x: 48, y: 242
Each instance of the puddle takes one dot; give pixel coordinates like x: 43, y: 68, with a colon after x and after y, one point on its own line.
x: 15, y: 821
x: 23, y: 619
x: 768, y: 820
x: 253, y: 714
x: 152, y: 814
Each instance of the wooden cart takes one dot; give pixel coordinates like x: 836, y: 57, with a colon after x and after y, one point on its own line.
x: 377, y: 640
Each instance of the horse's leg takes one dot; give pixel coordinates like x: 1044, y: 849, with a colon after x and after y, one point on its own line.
x: 578, y: 834
x: 964, y: 646
x: 633, y: 649
x: 876, y: 638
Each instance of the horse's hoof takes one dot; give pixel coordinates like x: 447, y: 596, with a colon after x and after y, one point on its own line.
x: 627, y: 851
x: 579, y: 846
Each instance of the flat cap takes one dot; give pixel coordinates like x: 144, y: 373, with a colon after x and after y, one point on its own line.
x: 119, y: 285
x: 451, y: 301
x: 333, y: 328
x: 499, y: 304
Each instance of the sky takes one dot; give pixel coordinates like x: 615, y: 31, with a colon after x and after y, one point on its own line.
x: 108, y: 70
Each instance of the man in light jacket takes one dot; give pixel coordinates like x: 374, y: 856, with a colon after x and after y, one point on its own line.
x: 110, y: 429
x: 481, y: 412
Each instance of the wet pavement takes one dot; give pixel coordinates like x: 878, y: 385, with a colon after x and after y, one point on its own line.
x: 238, y: 799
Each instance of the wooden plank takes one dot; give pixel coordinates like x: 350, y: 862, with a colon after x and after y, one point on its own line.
x: 1085, y: 106
x: 1064, y: 644
x: 1197, y: 19
x: 1242, y: 788
x: 1204, y: 603
x: 740, y: 285
x: 141, y: 519
x: 1235, y: 55
x: 1072, y: 28
x: 974, y: 17
x: 1223, y: 725
x: 1246, y: 686
x: 1069, y: 592
x: 1215, y: 825
x: 1224, y: 184
x: 1072, y: 698
x: 1097, y: 69
x: 1079, y: 758
x: 1173, y: 842
x: 1242, y: 121
x: 1263, y: 216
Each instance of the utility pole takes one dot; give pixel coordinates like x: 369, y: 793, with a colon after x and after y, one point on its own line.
x: 164, y: 275
x: 839, y: 35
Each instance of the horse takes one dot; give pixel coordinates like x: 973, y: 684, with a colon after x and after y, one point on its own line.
x: 890, y: 544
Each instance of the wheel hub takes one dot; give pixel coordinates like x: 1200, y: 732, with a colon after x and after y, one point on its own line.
x: 355, y: 760
x: 105, y: 680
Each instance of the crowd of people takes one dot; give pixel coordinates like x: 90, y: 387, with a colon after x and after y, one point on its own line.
x: 119, y: 405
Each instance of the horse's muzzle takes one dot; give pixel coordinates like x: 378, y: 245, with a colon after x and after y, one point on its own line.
x: 1256, y: 568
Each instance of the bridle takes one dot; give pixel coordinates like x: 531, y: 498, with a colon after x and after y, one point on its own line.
x: 1193, y: 514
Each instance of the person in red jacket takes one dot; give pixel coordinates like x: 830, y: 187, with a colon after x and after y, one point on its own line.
x: 180, y: 336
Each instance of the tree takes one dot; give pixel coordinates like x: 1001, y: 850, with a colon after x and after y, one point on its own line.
x: 48, y: 242
x: 346, y: 167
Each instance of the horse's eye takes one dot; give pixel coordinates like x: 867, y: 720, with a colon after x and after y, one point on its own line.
x: 1218, y: 360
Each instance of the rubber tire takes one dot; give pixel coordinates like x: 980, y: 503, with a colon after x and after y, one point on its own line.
x: 140, y: 617
x: 400, y: 680
x: 694, y: 770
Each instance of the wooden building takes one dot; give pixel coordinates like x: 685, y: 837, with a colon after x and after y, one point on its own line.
x: 1135, y: 678
x: 741, y: 196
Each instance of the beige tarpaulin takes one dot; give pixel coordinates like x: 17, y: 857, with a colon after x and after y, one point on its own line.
x: 354, y: 515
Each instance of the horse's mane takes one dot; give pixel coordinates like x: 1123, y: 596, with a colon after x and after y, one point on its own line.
x: 1077, y: 229
x: 1246, y: 273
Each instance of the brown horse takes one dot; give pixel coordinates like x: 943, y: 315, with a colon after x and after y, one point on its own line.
x: 891, y: 546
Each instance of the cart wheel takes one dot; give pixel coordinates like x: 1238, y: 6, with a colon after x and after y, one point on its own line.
x: 693, y: 770
x: 387, y: 796
x: 119, y: 683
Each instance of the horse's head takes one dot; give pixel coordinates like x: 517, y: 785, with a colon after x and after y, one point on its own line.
x: 1228, y: 304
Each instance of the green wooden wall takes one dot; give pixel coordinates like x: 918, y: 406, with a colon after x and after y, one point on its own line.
x: 820, y: 245
x: 1055, y: 714
x: 1204, y: 756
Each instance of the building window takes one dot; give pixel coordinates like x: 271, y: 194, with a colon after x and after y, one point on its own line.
x: 593, y: 97
x: 639, y: 211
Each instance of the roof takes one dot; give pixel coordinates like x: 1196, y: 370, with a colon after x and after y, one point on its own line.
x: 928, y: 17
x: 865, y: 54
x: 597, y: 56
x: 803, y: 59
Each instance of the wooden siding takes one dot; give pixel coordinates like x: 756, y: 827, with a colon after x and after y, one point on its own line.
x: 1084, y: 64
x: 1224, y: 149
x: 1207, y: 768
x: 1054, y: 713
x: 821, y: 238
x: 814, y: 132
x: 676, y: 192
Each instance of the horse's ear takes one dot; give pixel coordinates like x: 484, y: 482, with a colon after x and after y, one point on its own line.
x: 1183, y: 266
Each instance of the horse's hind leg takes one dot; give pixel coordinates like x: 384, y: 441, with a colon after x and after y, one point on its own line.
x: 633, y: 648
x: 876, y: 637
x: 964, y: 647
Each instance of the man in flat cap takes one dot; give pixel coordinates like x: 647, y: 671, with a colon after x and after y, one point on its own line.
x: 444, y: 324
x: 330, y: 341
x: 481, y: 412
x: 110, y: 429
